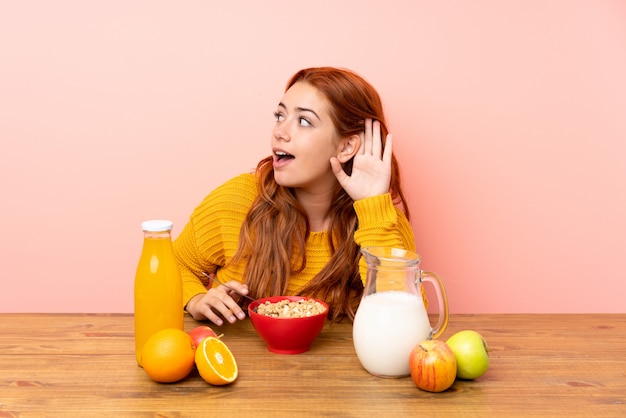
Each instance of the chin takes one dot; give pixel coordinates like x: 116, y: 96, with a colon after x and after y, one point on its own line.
x: 282, y: 181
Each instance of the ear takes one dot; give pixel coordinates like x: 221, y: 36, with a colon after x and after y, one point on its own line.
x: 348, y: 148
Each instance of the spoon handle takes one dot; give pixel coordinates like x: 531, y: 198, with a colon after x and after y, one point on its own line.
x: 225, y: 285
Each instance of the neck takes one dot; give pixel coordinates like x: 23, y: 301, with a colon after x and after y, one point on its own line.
x: 317, y: 207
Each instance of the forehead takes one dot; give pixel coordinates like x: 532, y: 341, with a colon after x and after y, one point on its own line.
x: 306, y: 96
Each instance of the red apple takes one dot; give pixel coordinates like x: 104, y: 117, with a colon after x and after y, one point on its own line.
x: 433, y: 366
x: 200, y: 333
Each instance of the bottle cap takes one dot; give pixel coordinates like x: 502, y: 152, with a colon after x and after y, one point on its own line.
x: 156, y: 225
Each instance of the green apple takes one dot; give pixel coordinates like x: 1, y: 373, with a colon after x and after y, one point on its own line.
x: 471, y: 353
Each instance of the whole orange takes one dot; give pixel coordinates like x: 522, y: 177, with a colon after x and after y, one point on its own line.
x: 168, y: 355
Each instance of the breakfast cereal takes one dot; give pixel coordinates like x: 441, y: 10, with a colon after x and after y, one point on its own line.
x: 291, y: 309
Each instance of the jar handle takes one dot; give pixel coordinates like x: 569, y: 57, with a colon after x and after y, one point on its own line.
x: 442, y: 302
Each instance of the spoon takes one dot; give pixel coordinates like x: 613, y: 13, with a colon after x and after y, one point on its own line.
x: 226, y: 286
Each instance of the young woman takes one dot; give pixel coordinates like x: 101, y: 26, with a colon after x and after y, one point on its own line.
x: 296, y: 225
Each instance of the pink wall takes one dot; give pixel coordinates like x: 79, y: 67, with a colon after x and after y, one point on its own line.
x: 509, y: 119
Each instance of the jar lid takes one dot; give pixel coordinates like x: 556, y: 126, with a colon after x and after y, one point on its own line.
x: 156, y: 225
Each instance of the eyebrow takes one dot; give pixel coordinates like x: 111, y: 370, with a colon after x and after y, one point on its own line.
x: 301, y: 109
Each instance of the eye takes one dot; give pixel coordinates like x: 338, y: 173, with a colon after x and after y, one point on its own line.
x: 304, y: 121
x: 279, y: 116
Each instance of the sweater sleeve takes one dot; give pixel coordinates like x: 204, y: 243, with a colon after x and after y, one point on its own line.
x: 381, y: 224
x: 190, y: 262
x: 210, y: 238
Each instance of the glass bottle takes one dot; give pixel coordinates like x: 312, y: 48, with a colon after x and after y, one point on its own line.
x: 158, y: 286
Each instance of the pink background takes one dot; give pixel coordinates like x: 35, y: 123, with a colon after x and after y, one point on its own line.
x: 509, y: 119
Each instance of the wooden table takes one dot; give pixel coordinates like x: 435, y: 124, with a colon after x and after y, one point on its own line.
x: 84, y: 365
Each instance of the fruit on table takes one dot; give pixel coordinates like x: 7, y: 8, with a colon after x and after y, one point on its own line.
x: 215, y: 362
x: 432, y: 365
x: 200, y: 333
x: 168, y: 355
x: 471, y: 353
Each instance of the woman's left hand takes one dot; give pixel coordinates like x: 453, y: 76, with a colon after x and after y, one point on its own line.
x: 371, y: 168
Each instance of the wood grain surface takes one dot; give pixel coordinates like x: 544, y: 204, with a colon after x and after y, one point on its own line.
x: 83, y: 365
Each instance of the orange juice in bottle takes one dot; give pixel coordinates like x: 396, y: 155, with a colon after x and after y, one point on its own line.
x: 158, y: 286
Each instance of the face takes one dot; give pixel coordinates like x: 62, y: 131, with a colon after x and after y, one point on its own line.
x: 303, y: 140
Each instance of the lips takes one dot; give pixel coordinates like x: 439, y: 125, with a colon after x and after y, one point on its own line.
x: 282, y: 158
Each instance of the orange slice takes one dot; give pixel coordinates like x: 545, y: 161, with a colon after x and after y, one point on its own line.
x: 215, y: 362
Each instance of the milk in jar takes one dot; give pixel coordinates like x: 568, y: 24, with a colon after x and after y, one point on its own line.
x: 386, y: 328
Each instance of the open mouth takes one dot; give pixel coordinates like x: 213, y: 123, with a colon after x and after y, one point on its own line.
x: 281, y: 156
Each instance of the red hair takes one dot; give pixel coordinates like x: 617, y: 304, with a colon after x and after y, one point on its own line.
x: 276, y: 227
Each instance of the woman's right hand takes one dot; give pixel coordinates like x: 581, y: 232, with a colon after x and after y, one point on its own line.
x: 371, y: 165
x: 219, y: 302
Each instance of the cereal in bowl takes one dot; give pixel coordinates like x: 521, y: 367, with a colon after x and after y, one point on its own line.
x: 291, y: 309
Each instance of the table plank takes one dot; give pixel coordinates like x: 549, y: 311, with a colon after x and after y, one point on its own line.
x: 83, y: 365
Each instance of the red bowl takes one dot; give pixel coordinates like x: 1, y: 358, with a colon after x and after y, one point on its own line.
x: 287, y: 335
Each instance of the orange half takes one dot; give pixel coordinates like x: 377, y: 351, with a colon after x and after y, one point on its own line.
x: 215, y: 362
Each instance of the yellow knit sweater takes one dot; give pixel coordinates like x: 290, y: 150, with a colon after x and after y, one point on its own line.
x: 209, y: 240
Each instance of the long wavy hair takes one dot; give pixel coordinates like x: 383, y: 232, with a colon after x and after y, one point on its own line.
x: 274, y: 234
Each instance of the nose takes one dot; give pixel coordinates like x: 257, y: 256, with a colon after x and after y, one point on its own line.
x: 281, y: 132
